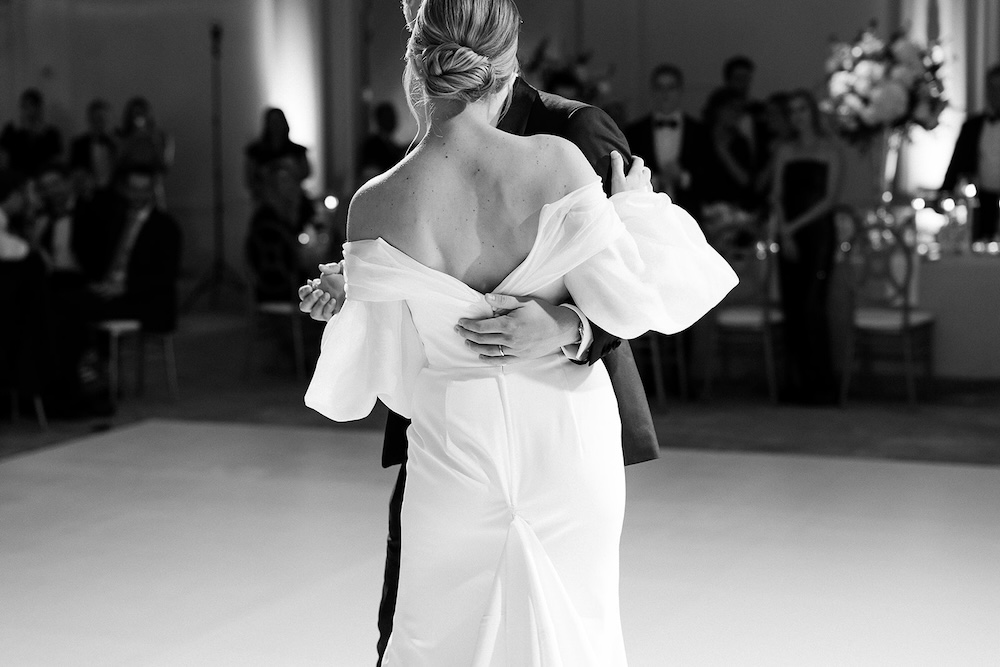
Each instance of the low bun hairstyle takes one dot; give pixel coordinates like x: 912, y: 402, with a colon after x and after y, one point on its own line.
x: 463, y: 50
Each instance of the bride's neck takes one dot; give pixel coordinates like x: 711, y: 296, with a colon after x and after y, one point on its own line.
x: 452, y: 119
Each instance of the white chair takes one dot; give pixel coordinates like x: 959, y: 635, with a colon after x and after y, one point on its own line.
x: 119, y: 329
x: 750, y: 316
x: 886, y: 321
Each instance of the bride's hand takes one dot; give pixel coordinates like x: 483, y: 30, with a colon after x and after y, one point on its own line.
x: 323, y: 297
x: 639, y: 178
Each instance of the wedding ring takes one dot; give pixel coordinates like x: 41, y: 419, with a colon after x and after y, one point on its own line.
x: 500, y: 349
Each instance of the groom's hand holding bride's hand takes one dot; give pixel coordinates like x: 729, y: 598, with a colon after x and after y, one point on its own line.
x: 323, y: 297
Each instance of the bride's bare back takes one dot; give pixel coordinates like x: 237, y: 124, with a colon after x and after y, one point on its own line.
x: 468, y: 204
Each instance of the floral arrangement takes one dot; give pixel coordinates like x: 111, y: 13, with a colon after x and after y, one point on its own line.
x: 877, y: 84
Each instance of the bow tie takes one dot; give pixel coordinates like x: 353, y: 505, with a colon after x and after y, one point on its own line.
x: 671, y: 122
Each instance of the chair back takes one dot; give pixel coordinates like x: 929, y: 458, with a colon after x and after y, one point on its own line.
x: 752, y: 256
x: 272, y: 260
x: 882, y: 257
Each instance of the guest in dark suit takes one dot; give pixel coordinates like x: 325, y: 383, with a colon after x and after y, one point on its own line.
x: 140, y: 278
x: 31, y: 143
x: 730, y: 168
x: 977, y: 159
x: 671, y: 142
x: 92, y: 154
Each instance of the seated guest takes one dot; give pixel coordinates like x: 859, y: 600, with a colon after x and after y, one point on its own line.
x: 53, y: 232
x: 31, y: 143
x: 53, y: 224
x: 976, y: 159
x: 92, y: 154
x: 140, y: 278
x: 380, y: 152
x: 273, y: 249
x: 730, y: 170
x: 671, y: 142
x: 273, y: 144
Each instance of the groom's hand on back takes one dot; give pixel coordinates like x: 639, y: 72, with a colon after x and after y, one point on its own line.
x: 526, y: 328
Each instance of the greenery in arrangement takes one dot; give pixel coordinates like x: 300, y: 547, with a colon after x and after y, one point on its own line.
x: 880, y: 84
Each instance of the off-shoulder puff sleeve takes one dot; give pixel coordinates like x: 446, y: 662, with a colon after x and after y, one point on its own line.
x: 658, y: 273
x: 370, y: 351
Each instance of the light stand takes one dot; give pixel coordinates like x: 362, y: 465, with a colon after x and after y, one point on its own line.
x: 220, y: 273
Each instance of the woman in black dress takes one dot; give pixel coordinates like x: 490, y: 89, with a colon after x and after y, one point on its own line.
x: 807, y: 176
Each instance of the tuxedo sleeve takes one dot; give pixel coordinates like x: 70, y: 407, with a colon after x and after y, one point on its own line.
x: 596, y: 135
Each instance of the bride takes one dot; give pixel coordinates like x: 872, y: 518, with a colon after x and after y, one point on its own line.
x: 515, y: 486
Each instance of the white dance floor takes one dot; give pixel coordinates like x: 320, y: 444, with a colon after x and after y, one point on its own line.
x: 174, y: 543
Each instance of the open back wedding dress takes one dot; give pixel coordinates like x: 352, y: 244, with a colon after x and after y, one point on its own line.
x: 515, y: 486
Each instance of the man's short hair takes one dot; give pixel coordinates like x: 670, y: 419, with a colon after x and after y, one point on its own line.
x: 32, y: 96
x: 735, y: 63
x: 666, y: 69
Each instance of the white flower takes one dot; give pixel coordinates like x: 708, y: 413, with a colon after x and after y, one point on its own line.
x: 841, y: 83
x: 853, y: 102
x: 871, y: 70
x: 889, y: 102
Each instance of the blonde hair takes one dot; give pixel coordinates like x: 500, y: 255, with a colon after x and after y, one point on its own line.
x: 462, y: 50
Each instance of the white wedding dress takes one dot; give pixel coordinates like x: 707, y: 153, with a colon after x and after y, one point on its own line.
x: 514, y: 480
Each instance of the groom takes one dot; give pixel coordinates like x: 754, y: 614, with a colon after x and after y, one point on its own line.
x: 526, y: 327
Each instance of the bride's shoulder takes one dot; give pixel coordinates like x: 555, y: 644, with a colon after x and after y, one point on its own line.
x: 367, y: 215
x: 563, y: 164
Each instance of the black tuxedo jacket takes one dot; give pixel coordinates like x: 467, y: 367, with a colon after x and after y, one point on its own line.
x: 691, y: 156
x: 965, y: 159
x: 535, y: 112
x: 153, y: 267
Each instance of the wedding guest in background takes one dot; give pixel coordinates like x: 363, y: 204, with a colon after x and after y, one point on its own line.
x: 140, y: 279
x: 55, y: 237
x: 976, y: 159
x: 273, y: 248
x: 53, y: 222
x: 806, y: 186
x: 380, y: 151
x: 31, y: 143
x: 272, y: 144
x: 737, y: 75
x: 93, y: 154
x: 730, y: 170
x: 142, y: 143
x: 672, y: 142
x: 776, y: 131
